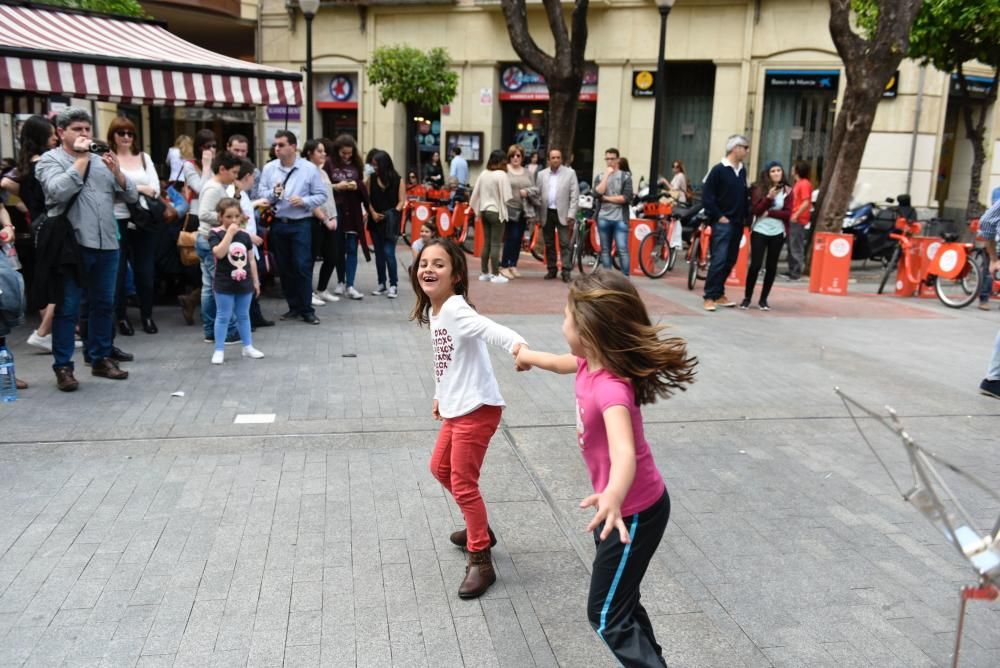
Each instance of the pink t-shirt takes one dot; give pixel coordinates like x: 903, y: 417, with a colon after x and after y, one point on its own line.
x: 595, y: 393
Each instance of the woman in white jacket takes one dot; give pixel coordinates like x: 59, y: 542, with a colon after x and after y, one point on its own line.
x: 489, y: 201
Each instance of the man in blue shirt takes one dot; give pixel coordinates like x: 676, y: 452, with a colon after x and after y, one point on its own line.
x: 295, y: 188
x: 989, y: 229
x: 725, y: 198
x: 459, y: 166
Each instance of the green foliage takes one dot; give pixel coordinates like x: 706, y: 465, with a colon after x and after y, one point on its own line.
x: 120, y: 7
x: 411, y: 76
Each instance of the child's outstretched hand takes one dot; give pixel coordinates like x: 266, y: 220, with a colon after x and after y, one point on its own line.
x: 609, y: 511
x: 434, y: 410
x: 519, y: 359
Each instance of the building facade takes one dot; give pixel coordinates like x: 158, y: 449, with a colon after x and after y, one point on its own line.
x: 764, y: 68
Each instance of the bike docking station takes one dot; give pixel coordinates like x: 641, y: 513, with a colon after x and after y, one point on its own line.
x: 981, y: 550
x: 738, y: 276
x: 638, y: 228
x: 831, y: 263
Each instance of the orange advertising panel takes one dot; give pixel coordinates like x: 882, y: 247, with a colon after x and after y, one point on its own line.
x: 738, y: 276
x: 478, y: 239
x: 638, y: 228
x: 831, y: 263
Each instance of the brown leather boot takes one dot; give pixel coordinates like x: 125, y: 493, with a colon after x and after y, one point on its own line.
x: 479, y: 575
x: 461, y: 538
x: 65, y: 380
x: 108, y: 368
x: 189, y: 303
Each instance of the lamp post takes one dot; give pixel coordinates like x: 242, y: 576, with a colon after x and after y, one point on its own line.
x: 309, y: 9
x: 661, y: 92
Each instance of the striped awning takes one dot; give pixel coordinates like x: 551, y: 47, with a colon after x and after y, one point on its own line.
x: 48, y: 50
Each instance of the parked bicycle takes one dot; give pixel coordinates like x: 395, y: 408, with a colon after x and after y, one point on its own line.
x: 698, y: 255
x: 656, y: 254
x: 586, y: 241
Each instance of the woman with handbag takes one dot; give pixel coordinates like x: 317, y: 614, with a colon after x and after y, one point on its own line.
x: 346, y: 172
x: 324, y: 240
x: 136, y: 224
x: 388, y: 196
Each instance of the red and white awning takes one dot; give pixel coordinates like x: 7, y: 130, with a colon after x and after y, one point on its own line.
x: 134, y: 61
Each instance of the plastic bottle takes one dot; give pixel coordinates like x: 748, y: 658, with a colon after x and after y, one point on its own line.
x: 8, y: 382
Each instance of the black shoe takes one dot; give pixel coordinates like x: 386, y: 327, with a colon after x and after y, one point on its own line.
x: 550, y: 275
x: 149, y: 326
x: 763, y: 305
x: 745, y: 304
x: 310, y: 318
x: 567, y: 276
x: 263, y: 322
x: 990, y: 388
x: 119, y: 355
x: 289, y: 315
x: 125, y: 327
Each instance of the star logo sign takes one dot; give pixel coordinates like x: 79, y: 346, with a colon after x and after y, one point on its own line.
x: 341, y: 88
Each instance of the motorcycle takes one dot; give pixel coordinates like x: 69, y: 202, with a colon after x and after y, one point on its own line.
x: 871, y: 225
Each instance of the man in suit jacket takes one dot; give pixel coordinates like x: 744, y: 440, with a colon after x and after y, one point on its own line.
x: 558, y: 192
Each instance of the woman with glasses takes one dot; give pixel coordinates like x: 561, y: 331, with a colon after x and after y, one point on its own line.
x: 138, y: 244
x: 519, y: 209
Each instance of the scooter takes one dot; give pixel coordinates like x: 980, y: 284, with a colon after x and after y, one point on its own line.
x: 871, y: 226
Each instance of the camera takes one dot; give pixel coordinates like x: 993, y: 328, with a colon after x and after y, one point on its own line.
x: 98, y: 147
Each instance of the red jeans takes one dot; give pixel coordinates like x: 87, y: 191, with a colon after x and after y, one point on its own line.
x: 458, y: 455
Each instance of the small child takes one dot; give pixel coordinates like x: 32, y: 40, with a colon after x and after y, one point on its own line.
x: 466, y: 396
x: 620, y: 363
x: 234, y: 285
x: 428, y: 231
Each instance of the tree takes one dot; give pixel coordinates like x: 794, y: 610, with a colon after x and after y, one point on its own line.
x: 563, y: 71
x: 869, y: 62
x: 947, y: 34
x: 412, y: 77
x: 120, y: 7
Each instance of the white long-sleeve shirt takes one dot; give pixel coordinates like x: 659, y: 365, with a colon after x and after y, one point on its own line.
x: 463, y: 375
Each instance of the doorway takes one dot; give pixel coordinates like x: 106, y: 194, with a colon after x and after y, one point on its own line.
x: 798, y: 118
x: 687, y: 118
x: 526, y: 124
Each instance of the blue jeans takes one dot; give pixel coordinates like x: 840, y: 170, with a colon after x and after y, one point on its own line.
x: 384, y: 237
x: 512, y: 244
x: 619, y: 229
x: 204, y: 252
x: 101, y: 269
x: 985, y: 280
x: 993, y: 373
x: 351, y: 253
x: 291, y: 242
x: 725, y: 249
x: 227, y: 304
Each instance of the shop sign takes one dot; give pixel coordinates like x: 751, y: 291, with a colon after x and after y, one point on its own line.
x: 643, y: 83
x: 207, y: 114
x: 978, y: 87
x: 803, y: 79
x: 518, y: 82
x: 280, y: 112
x: 337, y: 90
x: 486, y: 96
x: 892, y: 88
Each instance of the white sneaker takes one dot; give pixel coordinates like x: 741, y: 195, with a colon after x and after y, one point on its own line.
x: 340, y: 289
x: 43, y: 343
x: 485, y: 277
x: 379, y: 291
x: 317, y: 300
x: 499, y: 279
x: 328, y: 296
x: 354, y: 294
x: 78, y: 343
x: 218, y: 356
x: 393, y: 293
x: 252, y: 353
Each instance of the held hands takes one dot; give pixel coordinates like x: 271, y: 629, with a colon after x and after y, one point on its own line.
x: 609, y: 511
x: 435, y: 412
x: 520, y: 355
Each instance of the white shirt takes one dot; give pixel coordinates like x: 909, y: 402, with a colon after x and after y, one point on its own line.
x: 141, y: 176
x: 554, y: 187
x: 463, y: 375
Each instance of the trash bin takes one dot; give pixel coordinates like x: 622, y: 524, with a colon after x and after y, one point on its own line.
x: 831, y: 263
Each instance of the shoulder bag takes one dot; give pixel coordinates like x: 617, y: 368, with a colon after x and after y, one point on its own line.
x: 268, y: 215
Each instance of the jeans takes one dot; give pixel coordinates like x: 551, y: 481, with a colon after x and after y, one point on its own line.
x: 796, y: 249
x: 455, y: 463
x: 326, y: 245
x: 552, y: 223
x: 993, y: 373
x: 384, y: 237
x: 512, y: 243
x: 725, y: 249
x: 761, y: 245
x: 986, y: 280
x: 340, y: 261
x: 492, y: 233
x: 616, y: 230
x: 204, y: 252
x: 101, y: 269
x: 350, y: 258
x: 228, y: 306
x: 291, y: 242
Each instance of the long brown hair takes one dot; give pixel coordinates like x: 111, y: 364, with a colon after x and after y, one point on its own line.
x: 613, y: 323
x: 123, y: 123
x: 459, y: 270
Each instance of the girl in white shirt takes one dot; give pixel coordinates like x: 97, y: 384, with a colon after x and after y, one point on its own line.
x: 466, y: 396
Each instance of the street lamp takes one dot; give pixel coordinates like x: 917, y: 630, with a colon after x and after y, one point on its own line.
x: 309, y: 9
x: 661, y: 92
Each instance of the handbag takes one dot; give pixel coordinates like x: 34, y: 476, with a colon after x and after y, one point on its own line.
x: 186, y: 240
x: 268, y: 215
x: 149, y: 216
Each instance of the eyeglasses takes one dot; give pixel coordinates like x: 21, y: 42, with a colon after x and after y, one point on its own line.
x: 210, y: 144
x: 124, y: 133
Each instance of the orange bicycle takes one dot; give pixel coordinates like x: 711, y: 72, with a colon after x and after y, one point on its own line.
x: 656, y: 255
x: 698, y: 255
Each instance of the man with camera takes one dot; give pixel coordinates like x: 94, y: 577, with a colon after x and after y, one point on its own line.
x: 82, y: 178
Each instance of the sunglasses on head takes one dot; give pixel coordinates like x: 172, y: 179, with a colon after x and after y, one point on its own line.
x: 124, y: 133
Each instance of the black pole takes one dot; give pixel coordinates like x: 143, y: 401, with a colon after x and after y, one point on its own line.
x: 309, y: 77
x: 661, y: 94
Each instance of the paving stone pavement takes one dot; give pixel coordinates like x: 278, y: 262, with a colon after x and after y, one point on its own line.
x: 142, y: 529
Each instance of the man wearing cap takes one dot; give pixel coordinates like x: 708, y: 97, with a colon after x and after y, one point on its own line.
x: 725, y: 197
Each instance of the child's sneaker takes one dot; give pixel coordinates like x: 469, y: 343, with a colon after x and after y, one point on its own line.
x: 218, y: 356
x: 354, y: 294
x: 379, y: 291
x: 485, y: 277
x: 252, y: 353
x: 340, y: 289
x: 393, y: 293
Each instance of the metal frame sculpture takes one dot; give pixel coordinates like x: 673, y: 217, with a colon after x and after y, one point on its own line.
x: 982, y: 551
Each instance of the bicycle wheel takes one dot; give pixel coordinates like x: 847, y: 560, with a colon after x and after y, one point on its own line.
x: 962, y: 290
x: 693, y: 254
x: 890, y: 269
x: 588, y: 260
x: 654, y: 254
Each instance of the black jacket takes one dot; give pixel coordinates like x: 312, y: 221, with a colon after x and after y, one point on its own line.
x: 57, y: 256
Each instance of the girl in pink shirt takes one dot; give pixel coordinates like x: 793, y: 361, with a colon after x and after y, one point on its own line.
x: 620, y: 363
